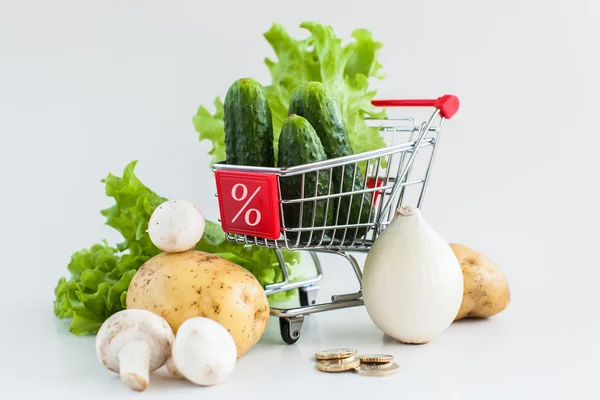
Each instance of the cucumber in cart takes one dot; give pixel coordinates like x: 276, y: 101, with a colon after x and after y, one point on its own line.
x: 248, y: 125
x: 315, y: 133
x: 313, y: 101
x: 299, y: 144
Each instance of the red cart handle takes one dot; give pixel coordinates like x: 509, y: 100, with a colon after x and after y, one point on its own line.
x: 447, y: 104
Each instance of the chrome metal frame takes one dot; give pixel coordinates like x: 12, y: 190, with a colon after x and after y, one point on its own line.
x: 392, y: 165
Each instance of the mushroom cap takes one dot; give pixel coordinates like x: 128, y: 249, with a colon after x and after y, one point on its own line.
x: 176, y: 226
x: 204, y: 352
x: 133, y: 324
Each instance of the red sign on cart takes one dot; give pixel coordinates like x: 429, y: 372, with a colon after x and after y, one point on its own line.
x: 249, y: 203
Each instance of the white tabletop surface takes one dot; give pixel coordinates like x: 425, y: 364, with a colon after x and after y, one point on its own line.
x: 539, y: 347
x: 87, y: 87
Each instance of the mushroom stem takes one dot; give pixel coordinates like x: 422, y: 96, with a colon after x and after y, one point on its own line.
x: 172, y: 369
x: 134, y: 364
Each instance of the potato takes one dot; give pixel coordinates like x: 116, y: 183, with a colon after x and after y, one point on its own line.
x: 178, y: 286
x: 486, y: 290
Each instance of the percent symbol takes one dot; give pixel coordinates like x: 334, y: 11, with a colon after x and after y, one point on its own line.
x: 243, y: 197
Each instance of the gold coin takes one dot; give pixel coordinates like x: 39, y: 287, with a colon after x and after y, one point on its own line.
x: 344, y: 364
x: 377, y: 369
x: 375, y: 358
x: 335, y: 354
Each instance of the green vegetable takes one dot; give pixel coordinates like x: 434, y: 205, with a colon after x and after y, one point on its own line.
x: 248, y: 125
x: 299, y: 144
x: 100, y: 275
x: 314, y: 102
x: 321, y: 57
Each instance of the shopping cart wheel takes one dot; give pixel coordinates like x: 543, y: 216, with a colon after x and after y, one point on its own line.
x: 308, y: 295
x: 290, y: 329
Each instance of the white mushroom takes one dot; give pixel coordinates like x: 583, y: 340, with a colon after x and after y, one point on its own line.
x: 134, y: 343
x: 172, y: 369
x: 176, y: 226
x: 203, y: 351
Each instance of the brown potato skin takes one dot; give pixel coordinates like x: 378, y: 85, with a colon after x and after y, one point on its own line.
x: 179, y: 286
x: 486, y: 290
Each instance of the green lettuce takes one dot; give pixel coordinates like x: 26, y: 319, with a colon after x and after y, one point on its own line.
x: 344, y: 69
x: 100, y: 275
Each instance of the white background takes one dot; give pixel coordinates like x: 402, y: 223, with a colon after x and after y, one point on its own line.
x: 86, y: 87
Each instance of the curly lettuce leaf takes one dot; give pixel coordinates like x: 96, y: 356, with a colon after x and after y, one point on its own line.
x: 344, y: 69
x: 134, y: 204
x: 99, y: 276
x: 212, y: 128
x: 363, y: 56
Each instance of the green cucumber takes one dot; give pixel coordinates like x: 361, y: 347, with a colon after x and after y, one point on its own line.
x: 299, y: 144
x: 313, y: 101
x: 248, y: 125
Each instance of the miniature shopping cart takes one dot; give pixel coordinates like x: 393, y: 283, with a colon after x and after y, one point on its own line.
x: 253, y: 209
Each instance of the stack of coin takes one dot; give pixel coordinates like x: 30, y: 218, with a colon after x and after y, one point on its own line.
x: 376, y: 365
x: 338, y: 360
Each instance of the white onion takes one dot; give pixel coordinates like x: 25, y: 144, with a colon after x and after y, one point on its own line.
x: 412, y: 281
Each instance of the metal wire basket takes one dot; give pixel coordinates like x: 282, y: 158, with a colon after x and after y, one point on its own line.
x: 380, y: 181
